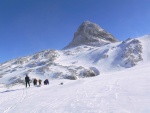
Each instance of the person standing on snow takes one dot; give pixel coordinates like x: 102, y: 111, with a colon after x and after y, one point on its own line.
x: 27, y: 80
x: 35, y: 82
x: 40, y: 81
x: 46, y: 82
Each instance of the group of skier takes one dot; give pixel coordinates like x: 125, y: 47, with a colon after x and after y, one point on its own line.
x: 27, y: 80
x: 35, y: 81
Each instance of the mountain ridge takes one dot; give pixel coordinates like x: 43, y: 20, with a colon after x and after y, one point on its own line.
x: 77, y: 62
x: 91, y: 34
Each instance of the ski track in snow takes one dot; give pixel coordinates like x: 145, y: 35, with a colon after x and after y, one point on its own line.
x: 56, y: 103
x: 95, y: 102
x: 2, y: 101
x: 112, y: 93
x: 86, y: 99
x: 24, y: 94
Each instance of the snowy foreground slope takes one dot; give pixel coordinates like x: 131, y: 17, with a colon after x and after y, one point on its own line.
x: 126, y: 91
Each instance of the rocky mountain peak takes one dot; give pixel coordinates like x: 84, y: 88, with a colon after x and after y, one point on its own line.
x: 91, y: 34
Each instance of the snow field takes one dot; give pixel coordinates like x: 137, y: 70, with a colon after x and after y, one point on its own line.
x: 117, y: 89
x: 126, y: 91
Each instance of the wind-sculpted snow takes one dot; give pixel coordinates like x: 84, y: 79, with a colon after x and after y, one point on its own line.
x: 42, y: 65
x: 132, y: 53
x: 129, y: 53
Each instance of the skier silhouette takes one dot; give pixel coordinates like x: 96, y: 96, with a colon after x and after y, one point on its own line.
x: 27, y: 80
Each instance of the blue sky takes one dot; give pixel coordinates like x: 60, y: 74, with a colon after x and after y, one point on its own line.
x: 30, y: 26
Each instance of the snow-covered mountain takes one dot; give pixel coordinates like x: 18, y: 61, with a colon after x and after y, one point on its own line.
x: 121, y: 87
x: 126, y: 91
x: 92, y: 51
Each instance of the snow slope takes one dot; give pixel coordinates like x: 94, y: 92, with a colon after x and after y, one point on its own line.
x: 78, y: 62
x: 122, y: 84
x: 145, y: 40
x: 126, y: 91
x: 91, y: 52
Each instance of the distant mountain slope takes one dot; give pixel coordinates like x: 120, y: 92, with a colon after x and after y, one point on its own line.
x: 91, y: 34
x: 78, y: 62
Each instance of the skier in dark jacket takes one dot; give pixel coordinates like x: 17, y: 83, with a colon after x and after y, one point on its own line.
x: 35, y: 82
x: 27, y: 80
x: 46, y: 82
x: 40, y: 81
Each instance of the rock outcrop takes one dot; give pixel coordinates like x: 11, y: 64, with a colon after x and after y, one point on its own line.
x: 91, y: 34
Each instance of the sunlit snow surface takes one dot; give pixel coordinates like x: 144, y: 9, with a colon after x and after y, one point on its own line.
x: 119, y: 88
x: 126, y: 91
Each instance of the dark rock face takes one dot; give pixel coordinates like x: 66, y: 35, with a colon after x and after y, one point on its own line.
x: 91, y: 34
